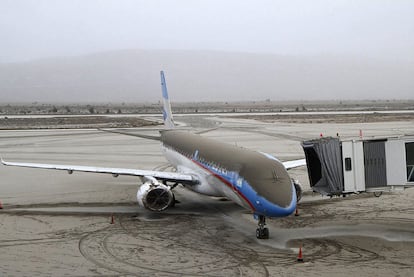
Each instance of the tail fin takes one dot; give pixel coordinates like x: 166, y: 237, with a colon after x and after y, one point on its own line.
x: 166, y: 111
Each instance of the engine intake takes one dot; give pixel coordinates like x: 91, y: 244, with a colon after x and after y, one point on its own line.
x: 155, y: 196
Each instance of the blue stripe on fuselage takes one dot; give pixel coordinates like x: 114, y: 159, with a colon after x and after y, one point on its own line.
x: 259, y: 204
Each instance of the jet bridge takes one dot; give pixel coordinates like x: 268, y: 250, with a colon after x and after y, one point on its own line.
x: 338, y: 167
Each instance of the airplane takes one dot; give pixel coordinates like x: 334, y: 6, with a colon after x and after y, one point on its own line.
x: 254, y: 180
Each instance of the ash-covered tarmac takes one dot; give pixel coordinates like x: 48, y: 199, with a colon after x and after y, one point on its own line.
x: 59, y: 224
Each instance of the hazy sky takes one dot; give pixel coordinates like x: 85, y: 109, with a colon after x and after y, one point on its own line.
x: 32, y: 29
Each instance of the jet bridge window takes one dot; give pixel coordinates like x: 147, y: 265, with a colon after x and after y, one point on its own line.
x: 409, y: 154
x: 348, y: 164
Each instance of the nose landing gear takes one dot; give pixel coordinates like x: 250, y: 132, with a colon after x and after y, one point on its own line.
x: 262, y: 232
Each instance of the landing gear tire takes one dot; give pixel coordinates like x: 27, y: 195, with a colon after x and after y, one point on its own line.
x: 262, y: 232
x: 266, y: 233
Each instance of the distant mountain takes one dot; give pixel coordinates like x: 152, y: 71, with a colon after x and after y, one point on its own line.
x: 133, y: 76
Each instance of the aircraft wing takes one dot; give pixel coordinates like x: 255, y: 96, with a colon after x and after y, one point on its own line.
x: 295, y: 163
x: 288, y: 164
x: 160, y: 175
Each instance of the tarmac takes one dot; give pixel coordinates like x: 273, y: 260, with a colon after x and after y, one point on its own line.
x: 55, y: 224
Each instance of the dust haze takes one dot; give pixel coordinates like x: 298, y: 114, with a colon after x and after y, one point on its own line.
x: 112, y: 51
x: 133, y: 76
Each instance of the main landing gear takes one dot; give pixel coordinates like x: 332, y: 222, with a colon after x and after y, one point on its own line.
x: 262, y: 232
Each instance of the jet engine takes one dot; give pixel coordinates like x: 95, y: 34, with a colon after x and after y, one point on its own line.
x: 155, y: 196
x: 298, y: 189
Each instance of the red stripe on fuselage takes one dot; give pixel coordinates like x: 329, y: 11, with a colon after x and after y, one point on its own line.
x: 227, y: 183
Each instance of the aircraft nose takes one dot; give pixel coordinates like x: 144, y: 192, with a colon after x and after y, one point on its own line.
x: 274, y: 192
x: 276, y: 196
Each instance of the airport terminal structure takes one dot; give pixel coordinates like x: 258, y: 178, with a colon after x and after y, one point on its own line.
x: 339, y: 167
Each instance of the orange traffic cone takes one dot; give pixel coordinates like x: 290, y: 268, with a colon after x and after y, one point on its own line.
x: 112, y: 219
x: 300, y: 257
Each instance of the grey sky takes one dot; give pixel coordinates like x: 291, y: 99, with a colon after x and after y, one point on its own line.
x: 46, y: 28
x: 245, y: 50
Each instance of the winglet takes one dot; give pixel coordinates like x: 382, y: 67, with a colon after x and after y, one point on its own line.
x: 166, y: 111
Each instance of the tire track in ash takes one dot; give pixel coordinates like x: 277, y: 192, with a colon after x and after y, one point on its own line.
x: 324, y: 251
x: 250, y: 262
x: 102, y: 248
x: 188, y: 245
x: 338, y: 252
x: 210, y: 252
x: 183, y: 245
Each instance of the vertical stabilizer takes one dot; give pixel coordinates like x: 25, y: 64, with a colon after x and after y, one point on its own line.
x: 166, y: 110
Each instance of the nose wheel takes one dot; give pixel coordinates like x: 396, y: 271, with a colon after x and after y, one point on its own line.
x: 262, y: 232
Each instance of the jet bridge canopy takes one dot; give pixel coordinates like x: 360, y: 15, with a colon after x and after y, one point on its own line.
x: 324, y: 161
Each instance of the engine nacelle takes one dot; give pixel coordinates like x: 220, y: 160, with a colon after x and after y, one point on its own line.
x: 155, y: 196
x: 298, y: 189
